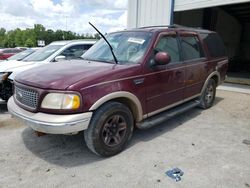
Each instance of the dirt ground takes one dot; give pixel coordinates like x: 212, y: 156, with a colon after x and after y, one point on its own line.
x: 206, y: 145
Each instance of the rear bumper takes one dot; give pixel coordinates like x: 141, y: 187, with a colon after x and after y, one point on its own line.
x: 50, y: 123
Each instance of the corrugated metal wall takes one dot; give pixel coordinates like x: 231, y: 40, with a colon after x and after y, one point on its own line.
x: 148, y: 12
x: 181, y: 5
x: 157, y: 12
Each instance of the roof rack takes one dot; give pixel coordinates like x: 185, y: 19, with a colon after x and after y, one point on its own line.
x: 172, y: 26
x: 152, y: 26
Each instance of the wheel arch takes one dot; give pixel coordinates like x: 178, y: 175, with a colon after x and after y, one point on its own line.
x: 124, y: 97
x: 214, y: 75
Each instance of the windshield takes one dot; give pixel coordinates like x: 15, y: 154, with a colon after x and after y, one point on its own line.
x: 129, y: 47
x: 21, y: 55
x: 43, y: 53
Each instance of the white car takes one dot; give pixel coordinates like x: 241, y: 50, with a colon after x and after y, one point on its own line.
x: 55, y: 51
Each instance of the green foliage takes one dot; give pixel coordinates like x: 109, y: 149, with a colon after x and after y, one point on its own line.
x: 2, y: 36
x: 29, y: 43
x: 29, y: 37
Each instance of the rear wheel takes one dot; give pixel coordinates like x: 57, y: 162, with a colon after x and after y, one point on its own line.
x: 110, y: 129
x: 208, y: 95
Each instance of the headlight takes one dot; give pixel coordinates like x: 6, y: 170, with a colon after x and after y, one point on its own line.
x: 4, y: 76
x: 61, y: 101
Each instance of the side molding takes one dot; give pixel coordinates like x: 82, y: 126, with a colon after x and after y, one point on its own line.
x: 208, y: 78
x: 120, y: 94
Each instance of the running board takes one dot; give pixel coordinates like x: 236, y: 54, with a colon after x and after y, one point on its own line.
x: 163, y: 116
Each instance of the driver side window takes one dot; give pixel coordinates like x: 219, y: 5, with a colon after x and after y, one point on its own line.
x: 169, y: 44
x: 73, y: 52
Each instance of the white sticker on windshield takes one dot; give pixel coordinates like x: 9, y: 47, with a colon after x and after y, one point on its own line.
x: 136, y: 40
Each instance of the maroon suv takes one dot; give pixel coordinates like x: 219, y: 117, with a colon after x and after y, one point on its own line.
x: 154, y: 74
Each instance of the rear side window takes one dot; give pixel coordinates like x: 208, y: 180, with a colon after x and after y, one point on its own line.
x: 191, y: 48
x: 214, y: 44
x: 169, y: 44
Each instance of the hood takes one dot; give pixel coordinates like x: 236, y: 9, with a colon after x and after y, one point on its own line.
x: 17, y: 70
x: 61, y: 75
x: 9, y: 66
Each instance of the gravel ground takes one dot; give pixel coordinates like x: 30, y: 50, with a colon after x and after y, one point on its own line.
x: 206, y: 145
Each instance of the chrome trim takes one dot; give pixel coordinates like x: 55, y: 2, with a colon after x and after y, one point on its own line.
x: 169, y: 106
x: 17, y: 84
x: 50, y: 123
x: 120, y: 94
x: 139, y: 81
x: 30, y: 93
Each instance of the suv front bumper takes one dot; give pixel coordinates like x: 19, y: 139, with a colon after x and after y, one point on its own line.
x: 51, y: 123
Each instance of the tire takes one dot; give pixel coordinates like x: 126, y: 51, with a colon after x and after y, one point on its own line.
x: 110, y: 129
x: 208, y: 95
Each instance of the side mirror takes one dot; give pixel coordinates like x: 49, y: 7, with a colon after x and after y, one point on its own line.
x: 60, y: 58
x: 162, y: 58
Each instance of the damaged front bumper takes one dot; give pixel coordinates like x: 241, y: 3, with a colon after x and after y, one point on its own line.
x: 51, y: 123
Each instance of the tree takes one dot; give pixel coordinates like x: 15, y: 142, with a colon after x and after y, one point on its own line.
x: 28, y: 37
x: 29, y: 43
x: 19, y: 37
x: 10, y: 40
x: 2, y: 36
x: 97, y: 36
x: 49, y: 36
x: 39, y: 31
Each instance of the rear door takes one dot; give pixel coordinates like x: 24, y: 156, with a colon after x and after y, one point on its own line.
x: 165, y: 83
x: 195, y: 63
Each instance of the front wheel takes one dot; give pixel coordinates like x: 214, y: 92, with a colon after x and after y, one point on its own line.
x: 208, y: 95
x: 110, y: 129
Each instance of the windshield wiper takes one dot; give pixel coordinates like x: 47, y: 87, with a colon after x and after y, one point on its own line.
x: 110, y: 47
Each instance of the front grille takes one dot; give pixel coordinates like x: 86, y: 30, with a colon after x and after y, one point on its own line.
x: 27, y: 97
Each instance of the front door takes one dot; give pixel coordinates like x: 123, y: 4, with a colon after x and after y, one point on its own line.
x: 164, y: 83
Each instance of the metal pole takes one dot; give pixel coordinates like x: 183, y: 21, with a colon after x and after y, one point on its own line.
x: 172, y: 12
x: 137, y: 13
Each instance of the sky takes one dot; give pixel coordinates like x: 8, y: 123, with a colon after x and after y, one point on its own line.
x: 73, y: 15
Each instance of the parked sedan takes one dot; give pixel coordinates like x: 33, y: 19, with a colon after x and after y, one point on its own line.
x: 54, y: 52
x: 21, y: 55
x: 8, y: 52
